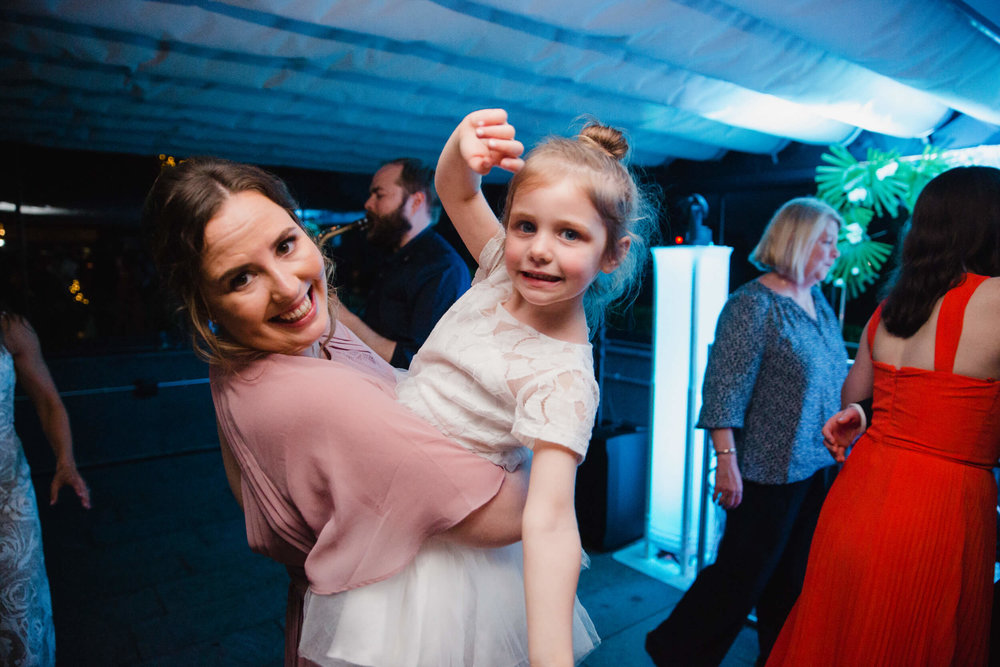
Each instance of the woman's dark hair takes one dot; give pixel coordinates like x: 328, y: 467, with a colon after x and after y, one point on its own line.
x: 954, y: 230
x: 180, y: 204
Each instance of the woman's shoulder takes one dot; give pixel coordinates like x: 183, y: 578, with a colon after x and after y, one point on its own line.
x: 344, y: 345
x: 9, y: 318
x: 303, y: 376
x: 301, y: 395
x: 978, y: 353
x: 985, y: 301
x: 17, y: 332
x: 750, y: 300
x: 991, y: 285
x: 753, y: 291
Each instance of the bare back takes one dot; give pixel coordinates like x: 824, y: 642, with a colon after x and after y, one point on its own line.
x: 978, y: 353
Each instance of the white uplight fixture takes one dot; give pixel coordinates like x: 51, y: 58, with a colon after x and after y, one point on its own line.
x: 691, y: 285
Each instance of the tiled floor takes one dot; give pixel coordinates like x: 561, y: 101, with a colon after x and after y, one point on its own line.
x: 158, y: 573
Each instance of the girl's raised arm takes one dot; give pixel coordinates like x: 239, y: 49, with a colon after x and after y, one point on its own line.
x: 483, y: 140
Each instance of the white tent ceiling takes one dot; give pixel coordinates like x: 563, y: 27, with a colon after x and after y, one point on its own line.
x: 345, y: 85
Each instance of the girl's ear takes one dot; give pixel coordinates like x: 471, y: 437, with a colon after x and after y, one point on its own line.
x: 621, y: 249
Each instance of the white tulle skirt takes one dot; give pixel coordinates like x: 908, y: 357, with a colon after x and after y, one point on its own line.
x: 453, y: 606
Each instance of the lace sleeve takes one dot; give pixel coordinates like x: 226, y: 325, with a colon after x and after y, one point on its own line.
x: 559, y: 407
x: 491, y: 257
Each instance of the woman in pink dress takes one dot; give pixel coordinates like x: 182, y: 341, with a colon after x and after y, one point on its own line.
x: 337, y: 480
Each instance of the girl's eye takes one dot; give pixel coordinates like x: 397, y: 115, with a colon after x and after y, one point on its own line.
x: 286, y: 246
x: 571, y: 235
x: 524, y: 226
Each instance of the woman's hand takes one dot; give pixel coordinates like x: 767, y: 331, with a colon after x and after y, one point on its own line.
x: 68, y: 475
x: 486, y: 140
x: 840, y: 431
x: 728, y: 490
x: 33, y: 374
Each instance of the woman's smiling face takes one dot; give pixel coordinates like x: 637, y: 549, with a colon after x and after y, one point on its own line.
x: 263, y: 278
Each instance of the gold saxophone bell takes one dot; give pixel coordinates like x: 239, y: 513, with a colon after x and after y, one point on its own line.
x: 337, y: 230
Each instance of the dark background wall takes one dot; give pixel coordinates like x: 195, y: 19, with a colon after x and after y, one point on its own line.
x: 99, y: 240
x: 123, y: 362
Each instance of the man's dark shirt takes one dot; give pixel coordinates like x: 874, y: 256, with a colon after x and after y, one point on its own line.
x: 412, y: 290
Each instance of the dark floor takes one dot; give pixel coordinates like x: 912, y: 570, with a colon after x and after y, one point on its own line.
x: 159, y: 573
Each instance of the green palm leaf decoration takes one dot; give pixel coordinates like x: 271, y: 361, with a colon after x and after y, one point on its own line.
x: 918, y: 173
x: 861, y: 191
x: 859, y: 263
x: 884, y: 190
x: 840, y: 175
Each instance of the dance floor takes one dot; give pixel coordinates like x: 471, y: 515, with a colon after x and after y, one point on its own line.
x: 159, y: 573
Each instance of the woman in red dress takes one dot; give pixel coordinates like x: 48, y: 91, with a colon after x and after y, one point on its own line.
x: 901, y: 564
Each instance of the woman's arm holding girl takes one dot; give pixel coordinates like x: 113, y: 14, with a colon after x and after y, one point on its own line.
x: 552, y: 553
x: 483, y: 140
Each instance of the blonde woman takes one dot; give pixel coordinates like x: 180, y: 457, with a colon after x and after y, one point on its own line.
x: 773, y: 379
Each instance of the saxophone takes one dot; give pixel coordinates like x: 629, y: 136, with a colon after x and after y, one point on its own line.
x: 337, y: 230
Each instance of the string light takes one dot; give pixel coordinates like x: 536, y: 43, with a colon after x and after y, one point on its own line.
x: 76, y: 291
x: 168, y: 161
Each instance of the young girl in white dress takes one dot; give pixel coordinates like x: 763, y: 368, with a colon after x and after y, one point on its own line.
x: 508, y: 373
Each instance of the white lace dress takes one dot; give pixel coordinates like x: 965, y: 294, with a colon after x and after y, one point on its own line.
x: 27, y: 636
x: 496, y: 386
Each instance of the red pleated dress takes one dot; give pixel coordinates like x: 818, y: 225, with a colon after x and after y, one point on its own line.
x: 901, y: 565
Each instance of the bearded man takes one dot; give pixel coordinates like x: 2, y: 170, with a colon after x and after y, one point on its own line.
x: 421, y: 275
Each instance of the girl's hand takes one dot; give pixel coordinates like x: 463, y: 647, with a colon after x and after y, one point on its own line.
x: 486, y: 140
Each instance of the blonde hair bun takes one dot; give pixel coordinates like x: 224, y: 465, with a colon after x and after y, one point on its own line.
x: 606, y: 138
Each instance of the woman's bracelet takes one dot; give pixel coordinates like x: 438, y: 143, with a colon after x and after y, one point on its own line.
x: 722, y: 452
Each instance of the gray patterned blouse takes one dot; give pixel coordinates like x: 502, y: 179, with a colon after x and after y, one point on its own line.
x: 774, y: 376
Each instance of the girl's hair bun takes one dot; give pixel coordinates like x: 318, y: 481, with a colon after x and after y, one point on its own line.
x: 607, y: 138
